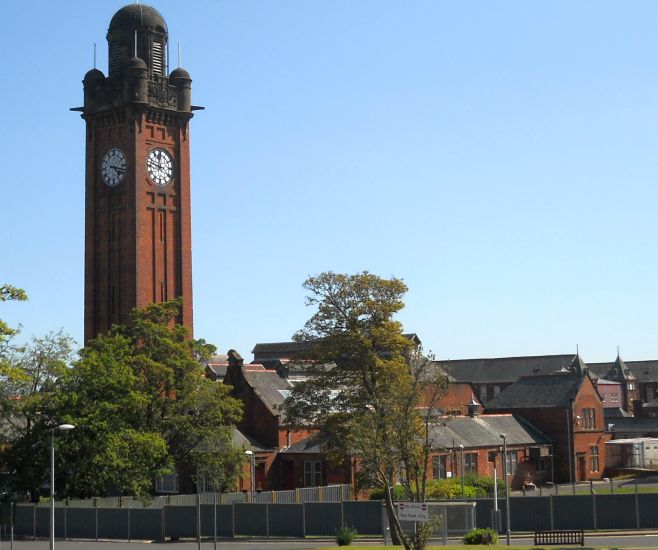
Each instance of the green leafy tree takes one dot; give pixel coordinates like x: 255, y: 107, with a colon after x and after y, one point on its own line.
x: 368, y: 384
x: 140, y: 403
x: 29, y: 374
x: 9, y: 293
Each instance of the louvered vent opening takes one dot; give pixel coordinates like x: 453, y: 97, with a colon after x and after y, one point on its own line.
x: 115, y: 58
x: 158, y: 58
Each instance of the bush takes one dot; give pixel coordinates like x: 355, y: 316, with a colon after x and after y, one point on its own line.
x: 398, y: 492
x: 481, y: 536
x: 485, y: 484
x: 449, y: 489
x: 345, y: 536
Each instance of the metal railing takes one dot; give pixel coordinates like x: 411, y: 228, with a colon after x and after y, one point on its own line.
x: 329, y: 493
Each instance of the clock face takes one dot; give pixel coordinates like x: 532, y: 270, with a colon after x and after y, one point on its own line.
x: 113, y: 167
x: 160, y: 167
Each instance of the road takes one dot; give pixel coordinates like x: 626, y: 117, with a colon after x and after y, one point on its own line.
x: 636, y: 540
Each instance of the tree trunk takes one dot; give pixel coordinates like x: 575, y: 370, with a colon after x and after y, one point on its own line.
x: 397, y: 535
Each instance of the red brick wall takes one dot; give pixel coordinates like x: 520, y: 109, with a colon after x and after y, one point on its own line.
x: 137, y: 235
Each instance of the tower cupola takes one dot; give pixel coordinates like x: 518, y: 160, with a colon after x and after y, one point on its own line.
x: 138, y: 31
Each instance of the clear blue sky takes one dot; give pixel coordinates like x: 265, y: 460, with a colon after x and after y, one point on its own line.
x: 500, y: 157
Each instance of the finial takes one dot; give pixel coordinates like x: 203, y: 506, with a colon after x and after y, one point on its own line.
x: 135, y: 43
x: 618, y: 351
x: 577, y: 351
x: 180, y: 63
x: 94, y: 55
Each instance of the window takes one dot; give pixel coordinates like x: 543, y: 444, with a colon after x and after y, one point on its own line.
x: 312, y: 473
x: 439, y: 467
x: 542, y: 464
x: 483, y: 393
x: 167, y: 483
x: 589, y: 419
x: 512, y: 464
x: 471, y: 464
x: 496, y: 391
x: 594, y: 458
x: 651, y: 395
x: 631, y: 386
x: 614, y: 398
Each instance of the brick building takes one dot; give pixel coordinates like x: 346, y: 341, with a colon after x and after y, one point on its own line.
x: 567, y: 408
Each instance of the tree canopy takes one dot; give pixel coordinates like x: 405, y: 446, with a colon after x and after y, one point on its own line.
x: 141, y: 404
x: 369, y: 385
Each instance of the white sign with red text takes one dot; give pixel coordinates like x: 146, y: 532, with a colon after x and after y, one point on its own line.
x: 413, y: 511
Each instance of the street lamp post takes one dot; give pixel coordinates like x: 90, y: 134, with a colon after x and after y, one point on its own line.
x: 461, y: 451
x: 62, y: 427
x: 252, y: 470
x: 507, y: 515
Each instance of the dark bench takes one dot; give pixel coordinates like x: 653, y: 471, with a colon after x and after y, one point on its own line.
x: 573, y: 536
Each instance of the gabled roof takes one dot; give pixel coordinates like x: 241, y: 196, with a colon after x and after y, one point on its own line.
x: 485, y: 431
x: 269, y: 386
x: 277, y: 350
x: 243, y: 441
x: 308, y: 445
x: 539, y: 391
x: 504, y: 369
x: 643, y: 371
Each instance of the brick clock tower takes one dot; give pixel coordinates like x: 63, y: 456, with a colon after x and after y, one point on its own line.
x: 137, y: 204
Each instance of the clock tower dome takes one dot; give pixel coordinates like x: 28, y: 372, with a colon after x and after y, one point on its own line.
x: 137, y: 177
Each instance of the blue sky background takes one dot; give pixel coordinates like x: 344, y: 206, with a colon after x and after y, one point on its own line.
x: 500, y: 157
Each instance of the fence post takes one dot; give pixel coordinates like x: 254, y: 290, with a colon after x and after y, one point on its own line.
x: 267, y: 519
x: 233, y: 518
x: 637, y: 507
x: 214, y: 520
x: 593, y: 497
x: 34, y: 522
x: 163, y: 520
x: 303, y: 520
x: 66, y: 518
x: 198, y: 520
x: 342, y: 514
x: 96, y: 517
x: 445, y: 525
x: 128, y: 510
x: 550, y: 506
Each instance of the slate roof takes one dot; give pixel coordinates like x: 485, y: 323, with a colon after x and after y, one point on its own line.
x: 539, y: 391
x: 485, y: 431
x: 610, y: 414
x: 276, y: 350
x: 635, y: 425
x: 481, y: 431
x: 308, y: 445
x: 644, y: 371
x: 241, y: 440
x: 269, y: 386
x: 504, y: 369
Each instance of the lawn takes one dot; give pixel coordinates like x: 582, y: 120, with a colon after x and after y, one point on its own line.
x: 463, y: 547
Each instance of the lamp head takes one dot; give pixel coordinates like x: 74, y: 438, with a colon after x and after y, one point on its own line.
x: 249, y: 453
x: 65, y: 427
